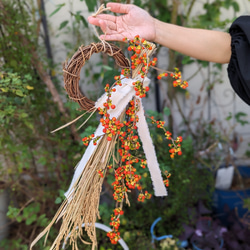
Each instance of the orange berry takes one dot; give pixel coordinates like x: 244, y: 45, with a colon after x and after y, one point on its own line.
x: 137, y: 51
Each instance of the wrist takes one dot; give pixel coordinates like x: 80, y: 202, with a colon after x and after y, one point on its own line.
x: 156, y: 30
x: 161, y: 32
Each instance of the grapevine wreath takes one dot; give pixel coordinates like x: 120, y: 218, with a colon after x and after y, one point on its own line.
x: 111, y: 149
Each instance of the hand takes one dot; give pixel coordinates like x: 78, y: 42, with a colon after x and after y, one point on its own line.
x: 135, y: 21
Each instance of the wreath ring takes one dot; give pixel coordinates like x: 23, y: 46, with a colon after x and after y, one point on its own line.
x: 72, y: 69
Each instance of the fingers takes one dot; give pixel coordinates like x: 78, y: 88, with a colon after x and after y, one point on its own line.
x: 94, y: 20
x: 112, y: 37
x: 119, y: 7
x: 106, y: 26
x: 111, y: 18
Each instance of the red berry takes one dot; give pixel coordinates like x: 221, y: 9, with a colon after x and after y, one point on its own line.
x: 138, y: 51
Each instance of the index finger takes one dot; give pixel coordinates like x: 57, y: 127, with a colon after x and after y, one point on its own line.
x: 119, y: 7
x: 107, y: 17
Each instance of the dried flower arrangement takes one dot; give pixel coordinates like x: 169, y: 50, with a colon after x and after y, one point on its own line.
x: 111, y: 149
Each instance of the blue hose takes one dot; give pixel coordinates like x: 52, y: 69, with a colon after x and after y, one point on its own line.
x: 180, y: 243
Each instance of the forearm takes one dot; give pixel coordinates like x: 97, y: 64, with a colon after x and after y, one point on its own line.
x: 207, y: 45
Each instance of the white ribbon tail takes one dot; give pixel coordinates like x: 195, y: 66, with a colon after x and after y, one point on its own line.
x: 149, y: 150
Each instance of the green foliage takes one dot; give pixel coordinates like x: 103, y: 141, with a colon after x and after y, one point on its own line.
x: 28, y: 215
x: 58, y: 7
x: 246, y: 203
x: 35, y: 164
x: 212, y: 16
x: 15, y: 94
x: 91, y: 4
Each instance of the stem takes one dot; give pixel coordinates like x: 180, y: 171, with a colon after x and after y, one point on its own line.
x: 190, y: 9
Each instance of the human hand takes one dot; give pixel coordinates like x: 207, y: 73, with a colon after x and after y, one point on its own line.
x: 134, y: 21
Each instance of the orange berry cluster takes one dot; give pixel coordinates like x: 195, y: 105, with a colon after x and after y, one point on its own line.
x: 114, y: 235
x: 111, y: 127
x: 87, y: 139
x: 175, y: 145
x: 164, y: 75
x: 125, y: 174
x: 100, y: 172
x: 144, y: 196
x: 177, y: 78
x: 140, y: 57
x: 166, y: 181
x: 139, y: 89
x: 143, y: 163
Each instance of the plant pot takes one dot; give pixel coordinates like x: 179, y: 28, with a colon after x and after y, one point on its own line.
x: 197, y: 248
x: 3, y: 211
x: 227, y: 201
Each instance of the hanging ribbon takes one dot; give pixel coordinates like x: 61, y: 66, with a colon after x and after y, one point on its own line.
x: 120, y: 98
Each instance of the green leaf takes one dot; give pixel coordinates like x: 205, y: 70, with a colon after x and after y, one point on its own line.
x: 85, y: 23
x: 137, y: 2
x: 19, y: 219
x: 42, y: 220
x: 166, y: 111
x: 239, y: 117
x: 19, y: 93
x: 77, y: 17
x: 36, y: 209
x: 31, y: 219
x: 236, y: 6
x: 29, y: 124
x: 107, y: 67
x: 4, y: 89
x: 42, y: 160
x: 59, y: 6
x: 91, y: 5
x: 187, y: 60
x: 229, y: 117
x: 23, y: 115
x: 63, y: 24
x: 58, y: 200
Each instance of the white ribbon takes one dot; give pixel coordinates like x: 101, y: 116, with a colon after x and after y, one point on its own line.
x: 120, y: 98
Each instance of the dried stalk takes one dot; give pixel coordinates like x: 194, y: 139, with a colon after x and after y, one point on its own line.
x: 83, y: 202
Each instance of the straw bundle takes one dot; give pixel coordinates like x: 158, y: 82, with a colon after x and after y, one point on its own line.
x: 82, y: 198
